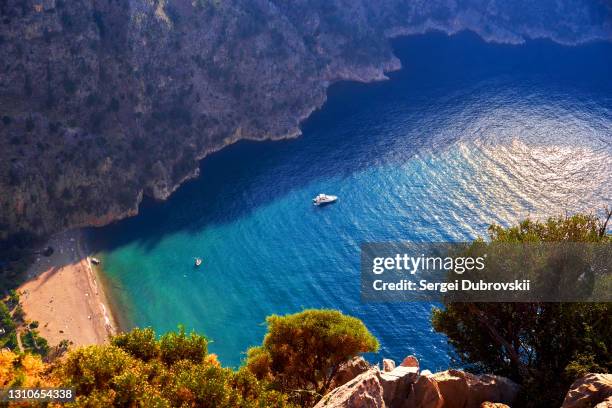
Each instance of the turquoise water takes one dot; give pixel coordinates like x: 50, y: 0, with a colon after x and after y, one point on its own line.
x: 467, y: 134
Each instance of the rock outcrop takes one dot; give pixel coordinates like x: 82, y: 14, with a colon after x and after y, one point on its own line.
x: 406, y: 387
x: 105, y: 102
x: 464, y: 390
x: 410, y: 361
x: 388, y: 365
x: 397, y: 384
x: 365, y: 391
x: 349, y: 370
x: 425, y: 394
x: 592, y: 390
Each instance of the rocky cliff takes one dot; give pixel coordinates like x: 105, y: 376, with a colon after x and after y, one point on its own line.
x: 407, y: 386
x: 105, y: 101
x: 359, y: 384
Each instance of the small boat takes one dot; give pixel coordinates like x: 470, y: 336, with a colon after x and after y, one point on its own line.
x: 322, y: 199
x: 95, y: 261
x: 198, y: 261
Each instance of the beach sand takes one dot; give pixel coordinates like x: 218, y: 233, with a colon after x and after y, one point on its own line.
x: 65, y: 296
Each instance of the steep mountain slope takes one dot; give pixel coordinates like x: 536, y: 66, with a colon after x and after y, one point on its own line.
x: 104, y: 101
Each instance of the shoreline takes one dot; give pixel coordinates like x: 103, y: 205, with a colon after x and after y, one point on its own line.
x: 367, y: 74
x: 65, y: 293
x: 112, y: 305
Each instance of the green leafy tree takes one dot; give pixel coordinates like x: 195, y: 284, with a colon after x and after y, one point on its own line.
x: 137, y: 370
x: 175, y: 346
x: 104, y: 373
x: 301, y: 352
x: 7, y: 328
x: 141, y: 343
x: 544, y: 346
x: 140, y: 369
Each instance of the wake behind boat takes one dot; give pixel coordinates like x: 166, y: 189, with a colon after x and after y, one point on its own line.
x: 322, y: 199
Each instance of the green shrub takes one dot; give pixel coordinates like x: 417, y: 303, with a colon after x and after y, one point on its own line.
x: 180, y: 346
x: 140, y: 343
x: 104, y: 373
x: 302, y: 352
x: 8, y: 337
x: 34, y: 343
x: 174, y: 371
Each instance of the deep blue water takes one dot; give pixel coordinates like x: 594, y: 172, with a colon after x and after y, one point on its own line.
x: 467, y: 134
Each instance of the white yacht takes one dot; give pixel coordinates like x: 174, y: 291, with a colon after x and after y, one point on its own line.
x: 198, y: 261
x: 324, y: 199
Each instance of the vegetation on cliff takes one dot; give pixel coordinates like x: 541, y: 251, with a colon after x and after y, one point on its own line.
x: 543, y: 346
x: 302, y: 352
x: 15, y: 332
x: 175, y: 370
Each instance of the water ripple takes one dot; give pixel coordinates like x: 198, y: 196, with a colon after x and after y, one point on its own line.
x: 418, y: 158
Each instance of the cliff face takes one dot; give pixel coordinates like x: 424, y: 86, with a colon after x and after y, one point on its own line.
x: 104, y: 101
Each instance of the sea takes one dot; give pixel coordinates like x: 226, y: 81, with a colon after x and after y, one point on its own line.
x: 466, y: 134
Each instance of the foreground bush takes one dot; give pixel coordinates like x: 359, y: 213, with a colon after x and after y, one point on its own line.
x: 302, y: 352
x: 544, y: 346
x: 22, y: 370
x: 136, y: 369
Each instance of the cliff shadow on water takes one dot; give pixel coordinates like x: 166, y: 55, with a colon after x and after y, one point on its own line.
x: 342, y: 138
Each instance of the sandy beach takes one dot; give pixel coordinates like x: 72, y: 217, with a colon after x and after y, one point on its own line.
x: 65, y: 296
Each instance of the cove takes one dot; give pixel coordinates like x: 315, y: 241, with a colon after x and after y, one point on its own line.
x: 466, y: 134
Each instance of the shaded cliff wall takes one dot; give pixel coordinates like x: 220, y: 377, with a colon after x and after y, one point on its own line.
x: 104, y: 101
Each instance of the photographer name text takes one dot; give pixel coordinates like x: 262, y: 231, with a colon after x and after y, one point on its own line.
x: 443, y: 287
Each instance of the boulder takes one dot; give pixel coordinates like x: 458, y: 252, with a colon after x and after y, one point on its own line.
x: 349, y: 370
x: 589, y: 391
x: 452, y: 385
x: 403, y: 387
x: 465, y: 390
x: 410, y: 361
x: 388, y: 364
x: 424, y: 393
x: 500, y: 389
x: 397, y: 384
x: 364, y: 391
